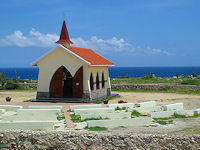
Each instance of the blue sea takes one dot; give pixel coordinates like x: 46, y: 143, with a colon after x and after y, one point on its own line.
x: 32, y: 73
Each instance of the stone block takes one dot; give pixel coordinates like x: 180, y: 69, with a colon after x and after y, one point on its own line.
x: 143, y: 121
x: 175, y: 106
x: 11, y: 107
x: 33, y: 115
x: 93, y: 110
x: 146, y: 104
x: 127, y: 105
x: 2, y: 111
x: 26, y: 125
x: 72, y: 107
x: 197, y: 111
x: 45, y: 107
x: 121, y: 115
x: 180, y: 112
x: 144, y: 110
x: 162, y: 114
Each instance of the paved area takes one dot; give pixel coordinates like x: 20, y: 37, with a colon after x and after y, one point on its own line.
x: 65, y: 108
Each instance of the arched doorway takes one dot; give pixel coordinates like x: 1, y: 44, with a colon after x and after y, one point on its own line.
x: 63, y: 85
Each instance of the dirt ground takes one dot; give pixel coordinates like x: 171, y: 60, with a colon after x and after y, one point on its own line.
x: 17, y: 96
x: 190, y: 101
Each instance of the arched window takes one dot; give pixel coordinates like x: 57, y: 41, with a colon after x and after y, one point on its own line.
x: 103, y: 81
x: 91, y: 82
x: 97, y: 81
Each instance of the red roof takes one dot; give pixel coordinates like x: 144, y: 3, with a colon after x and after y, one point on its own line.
x: 90, y: 56
x: 64, y: 36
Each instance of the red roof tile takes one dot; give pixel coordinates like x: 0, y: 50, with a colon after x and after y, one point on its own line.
x: 90, y: 56
x: 64, y: 36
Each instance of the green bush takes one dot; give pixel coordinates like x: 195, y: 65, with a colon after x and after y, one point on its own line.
x: 10, y: 85
x: 97, y: 128
x: 191, y: 82
x: 149, y: 76
x: 164, y: 88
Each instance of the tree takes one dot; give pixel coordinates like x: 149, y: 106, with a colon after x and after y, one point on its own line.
x: 15, y: 76
x: 2, y: 78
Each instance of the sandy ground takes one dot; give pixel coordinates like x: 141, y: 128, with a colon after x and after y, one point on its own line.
x: 17, y: 96
x: 190, y: 101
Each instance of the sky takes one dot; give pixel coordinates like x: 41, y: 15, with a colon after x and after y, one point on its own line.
x: 130, y: 33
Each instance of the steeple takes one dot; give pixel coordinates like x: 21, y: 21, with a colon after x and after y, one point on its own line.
x: 64, y: 36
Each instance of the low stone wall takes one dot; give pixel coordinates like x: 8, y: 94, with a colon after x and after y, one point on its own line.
x: 82, y: 140
x: 29, y: 85
x: 155, y: 87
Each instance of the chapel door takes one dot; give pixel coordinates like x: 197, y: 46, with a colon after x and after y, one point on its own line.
x: 78, y: 84
x: 56, y: 85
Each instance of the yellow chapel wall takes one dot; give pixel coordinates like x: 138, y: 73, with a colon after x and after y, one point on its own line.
x: 49, y: 65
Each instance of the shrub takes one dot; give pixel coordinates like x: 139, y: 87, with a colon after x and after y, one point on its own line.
x: 12, y: 85
x: 191, y: 82
x: 97, y: 128
x: 164, y: 88
x: 149, y: 76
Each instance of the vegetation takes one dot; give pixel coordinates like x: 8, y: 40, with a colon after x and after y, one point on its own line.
x: 60, y: 116
x: 77, y: 118
x: 118, y: 108
x: 179, y: 91
x: 97, y: 128
x: 107, y: 98
x: 192, y: 79
x: 135, y: 113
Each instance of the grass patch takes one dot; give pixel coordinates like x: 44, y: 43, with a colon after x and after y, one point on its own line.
x: 118, y: 108
x: 135, y: 113
x: 97, y: 128
x: 191, y: 82
x: 179, y: 116
x: 60, y: 116
x: 107, y: 98
x: 161, y: 90
x: 162, y: 122
x: 75, y: 118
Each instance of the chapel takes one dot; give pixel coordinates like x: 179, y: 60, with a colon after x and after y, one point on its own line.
x: 72, y: 73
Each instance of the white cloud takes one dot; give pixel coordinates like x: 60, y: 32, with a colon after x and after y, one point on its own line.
x: 35, y: 38
x: 38, y: 39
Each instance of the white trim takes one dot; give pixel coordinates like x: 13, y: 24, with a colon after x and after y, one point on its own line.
x: 101, y: 65
x: 46, y: 54
x: 74, y: 54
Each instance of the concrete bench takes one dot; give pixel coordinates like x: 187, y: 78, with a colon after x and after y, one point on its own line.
x: 120, y: 122
x: 45, y: 107
x: 175, y: 106
x: 26, y: 125
x: 162, y: 114
x: 197, y: 111
x: 93, y: 110
x: 85, y: 106
x: 2, y: 111
x: 146, y: 104
x: 145, y: 109
x: 121, y: 115
x: 10, y: 107
x: 127, y: 105
x: 33, y: 115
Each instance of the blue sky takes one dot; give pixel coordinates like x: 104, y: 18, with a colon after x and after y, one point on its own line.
x: 127, y: 32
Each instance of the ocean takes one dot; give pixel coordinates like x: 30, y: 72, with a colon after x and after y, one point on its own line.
x: 32, y: 73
